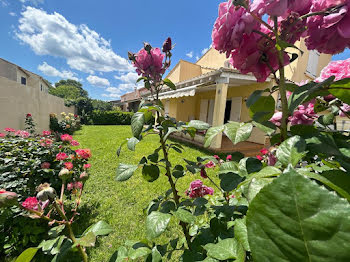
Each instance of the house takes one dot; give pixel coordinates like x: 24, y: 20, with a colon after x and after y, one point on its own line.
x: 130, y: 101
x: 25, y: 92
x: 212, y: 91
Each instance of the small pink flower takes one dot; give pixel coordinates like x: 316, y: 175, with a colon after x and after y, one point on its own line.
x: 66, y: 137
x: 46, y: 133
x: 345, y: 108
x: 28, y: 115
x: 229, y: 158
x: 2, y: 135
x: 61, y: 156
x: 31, y: 203
x: 22, y: 133
x: 264, y: 151
x: 9, y: 129
x: 70, y: 186
x: 210, y: 164
x: 46, y: 142
x: 74, y: 143
x: 259, y: 157
x: 216, y: 157
x: 78, y: 185
x: 68, y: 165
x: 197, y: 189
x: 276, y: 119
x: 83, y: 153
x: 86, y: 166
x: 45, y: 165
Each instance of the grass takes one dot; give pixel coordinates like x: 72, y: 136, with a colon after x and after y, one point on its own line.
x: 121, y: 204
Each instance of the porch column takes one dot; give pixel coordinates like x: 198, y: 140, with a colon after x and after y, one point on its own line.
x: 219, y: 108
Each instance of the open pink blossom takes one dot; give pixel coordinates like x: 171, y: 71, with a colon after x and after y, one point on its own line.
x: 2, y: 135
x: 46, y: 142
x: 257, y: 55
x: 264, y: 151
x: 61, y: 156
x: 280, y: 7
x: 230, y: 26
x: 304, y: 115
x: 22, y: 133
x: 344, y: 108
x: 276, y: 119
x: 83, y: 153
x: 66, y: 137
x: 68, y: 165
x: 45, y: 165
x: 329, y: 34
x: 74, y: 143
x: 340, y: 69
x: 259, y: 157
x: 149, y: 64
x: 210, y: 164
x: 10, y: 130
x: 86, y: 166
x: 229, y: 158
x: 197, y: 189
x: 31, y: 203
x: 70, y: 186
x: 46, y: 133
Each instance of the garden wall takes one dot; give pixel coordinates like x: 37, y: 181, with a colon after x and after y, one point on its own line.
x: 17, y: 100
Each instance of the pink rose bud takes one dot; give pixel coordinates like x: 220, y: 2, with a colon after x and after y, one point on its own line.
x: 229, y: 158
x: 147, y: 47
x: 259, y: 157
x: 167, y: 45
x: 84, y: 176
x: 131, y: 56
x: 203, y: 173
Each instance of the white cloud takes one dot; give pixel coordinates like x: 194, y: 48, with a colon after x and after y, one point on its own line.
x: 190, y: 54
x: 12, y: 14
x: 4, y: 3
x: 98, y: 81
x: 84, y: 49
x: 33, y: 2
x: 48, y: 70
x: 130, y: 77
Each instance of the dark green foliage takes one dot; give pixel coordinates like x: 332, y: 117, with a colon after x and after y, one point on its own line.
x: 99, y: 117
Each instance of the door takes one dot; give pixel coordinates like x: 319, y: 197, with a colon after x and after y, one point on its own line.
x: 236, y: 107
x: 211, y: 111
x: 166, y: 107
x: 203, y: 114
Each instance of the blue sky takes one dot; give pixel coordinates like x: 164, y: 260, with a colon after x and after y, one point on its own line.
x: 89, y: 40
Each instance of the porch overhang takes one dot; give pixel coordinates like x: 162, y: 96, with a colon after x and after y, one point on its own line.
x: 188, y: 91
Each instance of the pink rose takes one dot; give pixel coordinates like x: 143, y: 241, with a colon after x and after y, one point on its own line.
x: 31, y: 203
x: 22, y: 133
x: 2, y: 135
x: 229, y: 158
x: 68, y: 165
x: 271, y: 159
x: 304, y: 115
x: 74, y: 143
x: 66, y: 137
x: 329, y: 34
x: 204, y: 173
x: 70, y: 186
x: 86, y: 166
x: 197, y: 189
x: 280, y: 7
x: 150, y: 64
x: 83, y: 153
x: 340, y: 69
x: 259, y: 157
x: 28, y: 115
x: 264, y: 151
x: 276, y: 119
x: 210, y: 164
x: 345, y: 108
x: 216, y: 157
x: 9, y: 129
x: 61, y: 156
x: 45, y: 165
x: 46, y: 133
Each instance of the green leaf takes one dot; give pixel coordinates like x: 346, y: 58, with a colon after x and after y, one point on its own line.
x: 267, y: 127
x: 254, y: 97
x: 254, y: 187
x: 153, y: 157
x: 184, y: 216
x: 156, y: 256
x: 229, y: 181
x: 169, y: 83
x: 228, y: 167
x: 150, y: 172
x: 125, y: 171
x: 211, y: 133
x: 241, y: 233
x: 139, y: 252
x: 238, y: 132
x: 178, y: 171
x: 120, y: 256
x: 87, y: 240
x: 137, y: 122
x: 100, y: 228
x: 27, y: 255
x: 293, y: 219
x: 326, y: 120
x: 170, y: 131
x: 263, y: 109
x: 341, y: 89
x: 199, y: 125
x: 224, y: 249
x: 156, y: 224
x: 249, y: 165
x: 61, y: 256
x: 132, y: 143
x: 291, y: 151
x: 55, y: 231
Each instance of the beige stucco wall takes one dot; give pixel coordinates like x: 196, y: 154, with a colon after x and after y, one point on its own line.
x: 212, y: 59
x: 183, y: 71
x: 17, y: 100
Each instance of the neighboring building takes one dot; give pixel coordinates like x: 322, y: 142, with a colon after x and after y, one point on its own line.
x: 24, y: 92
x: 212, y: 91
x: 130, y: 101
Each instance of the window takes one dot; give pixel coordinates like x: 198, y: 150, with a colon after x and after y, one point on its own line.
x: 312, y: 64
x: 23, y: 80
x: 41, y: 87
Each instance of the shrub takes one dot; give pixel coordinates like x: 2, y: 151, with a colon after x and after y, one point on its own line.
x: 111, y: 117
x: 68, y: 123
x: 25, y: 163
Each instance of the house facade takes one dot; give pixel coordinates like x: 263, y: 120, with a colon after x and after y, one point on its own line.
x: 24, y: 92
x: 212, y: 91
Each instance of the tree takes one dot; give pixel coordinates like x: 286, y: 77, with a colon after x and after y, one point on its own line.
x: 69, y: 89
x: 101, y: 105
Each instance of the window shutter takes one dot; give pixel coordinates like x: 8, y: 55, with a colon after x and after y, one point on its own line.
x: 211, y: 111
x: 312, y: 64
x: 236, y: 109
x: 203, y: 110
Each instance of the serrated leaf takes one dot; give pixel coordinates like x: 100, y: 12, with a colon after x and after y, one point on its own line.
x: 137, y: 122
x: 27, y: 255
x: 156, y: 224
x: 101, y: 228
x: 132, y: 142
x: 125, y: 171
x: 294, y: 219
x: 211, y: 133
x: 238, y: 132
x: 291, y: 151
x: 224, y: 249
x: 185, y: 216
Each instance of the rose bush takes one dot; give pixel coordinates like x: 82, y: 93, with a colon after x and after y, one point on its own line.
x: 65, y: 124
x: 25, y: 163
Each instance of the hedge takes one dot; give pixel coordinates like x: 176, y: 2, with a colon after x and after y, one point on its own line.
x: 111, y: 117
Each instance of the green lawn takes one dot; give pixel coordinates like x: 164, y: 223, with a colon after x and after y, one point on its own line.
x: 121, y: 204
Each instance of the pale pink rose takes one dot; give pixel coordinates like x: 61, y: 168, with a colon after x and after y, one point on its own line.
x: 276, y: 119
x: 74, y: 143
x: 46, y: 133
x: 340, y: 69
x: 22, y: 133
x: 345, y: 108
x: 150, y: 65
x: 329, y: 34
x: 2, y: 135
x: 66, y: 137
x: 280, y: 7
x: 304, y: 115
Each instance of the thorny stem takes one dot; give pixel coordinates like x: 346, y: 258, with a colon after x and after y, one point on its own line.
x: 282, y: 87
x: 70, y: 232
